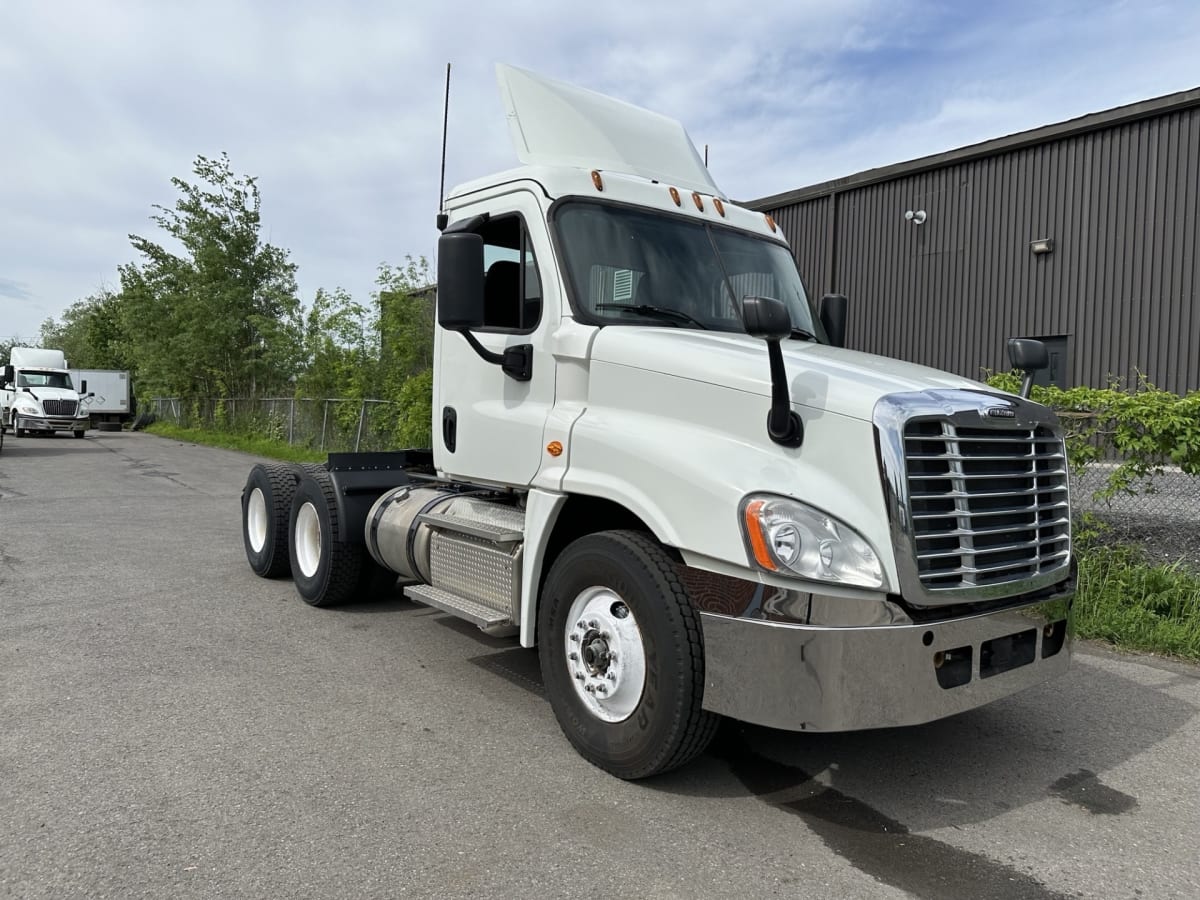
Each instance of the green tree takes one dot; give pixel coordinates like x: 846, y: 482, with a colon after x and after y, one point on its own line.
x: 91, y: 333
x: 222, y: 317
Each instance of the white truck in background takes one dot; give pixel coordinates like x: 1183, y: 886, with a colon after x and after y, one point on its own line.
x: 655, y: 461
x: 106, y: 397
x: 37, y: 394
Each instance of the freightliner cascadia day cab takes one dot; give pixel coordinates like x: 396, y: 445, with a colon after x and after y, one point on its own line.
x: 38, y: 395
x: 653, y: 461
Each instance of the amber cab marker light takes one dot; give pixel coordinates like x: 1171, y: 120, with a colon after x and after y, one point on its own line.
x: 675, y: 196
x: 758, y: 542
x: 699, y: 202
x: 554, y: 448
x: 720, y: 207
x: 770, y: 222
x: 597, y: 180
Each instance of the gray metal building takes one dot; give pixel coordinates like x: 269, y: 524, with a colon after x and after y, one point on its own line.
x: 1082, y: 233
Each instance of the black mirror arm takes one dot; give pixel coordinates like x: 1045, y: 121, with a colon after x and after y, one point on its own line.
x: 516, y: 362
x: 783, y: 425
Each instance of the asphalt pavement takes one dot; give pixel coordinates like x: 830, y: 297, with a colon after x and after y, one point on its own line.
x: 172, y: 726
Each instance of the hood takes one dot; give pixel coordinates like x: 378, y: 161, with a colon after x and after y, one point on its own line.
x: 48, y: 393
x: 557, y: 124
x: 820, y: 377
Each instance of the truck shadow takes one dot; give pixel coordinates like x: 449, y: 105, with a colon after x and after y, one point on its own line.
x: 42, y: 447
x: 1051, y: 740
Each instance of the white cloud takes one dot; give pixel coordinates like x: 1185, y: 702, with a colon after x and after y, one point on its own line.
x: 337, y: 108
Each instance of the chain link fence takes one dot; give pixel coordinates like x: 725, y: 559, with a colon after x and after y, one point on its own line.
x: 1166, y: 509
x: 330, y: 425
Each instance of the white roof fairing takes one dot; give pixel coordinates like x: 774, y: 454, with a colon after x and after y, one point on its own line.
x: 556, y: 124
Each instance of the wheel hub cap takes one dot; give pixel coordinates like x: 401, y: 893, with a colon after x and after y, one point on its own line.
x: 256, y: 520
x: 606, y: 657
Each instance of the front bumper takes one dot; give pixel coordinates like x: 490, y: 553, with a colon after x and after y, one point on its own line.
x: 52, y: 423
x: 821, y: 678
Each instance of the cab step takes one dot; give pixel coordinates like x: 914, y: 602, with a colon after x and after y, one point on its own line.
x: 489, y: 621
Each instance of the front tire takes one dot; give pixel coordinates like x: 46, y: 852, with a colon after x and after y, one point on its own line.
x: 622, y: 656
x: 79, y: 434
x: 326, y: 570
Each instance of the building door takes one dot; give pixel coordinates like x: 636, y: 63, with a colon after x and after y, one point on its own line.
x: 1059, y: 372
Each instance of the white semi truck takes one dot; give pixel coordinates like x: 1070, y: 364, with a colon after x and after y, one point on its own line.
x: 38, y: 395
x: 655, y: 462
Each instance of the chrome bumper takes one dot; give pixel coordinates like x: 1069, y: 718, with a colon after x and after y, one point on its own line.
x: 821, y: 678
x: 53, y: 423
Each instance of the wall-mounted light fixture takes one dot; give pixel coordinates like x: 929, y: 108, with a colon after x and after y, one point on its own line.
x: 916, y: 217
x: 1042, y: 245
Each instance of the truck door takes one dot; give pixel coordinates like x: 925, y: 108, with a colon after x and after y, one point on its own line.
x: 487, y: 426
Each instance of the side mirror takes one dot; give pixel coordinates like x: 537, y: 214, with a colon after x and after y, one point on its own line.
x: 1029, y: 356
x: 9, y: 375
x: 766, y: 318
x: 460, y: 281
x: 833, y: 317
x: 83, y: 386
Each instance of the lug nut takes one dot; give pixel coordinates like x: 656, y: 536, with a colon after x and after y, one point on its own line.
x: 601, y: 689
x: 589, y: 689
x: 592, y: 624
x: 573, y: 656
x: 612, y: 676
x: 573, y: 637
x: 579, y: 676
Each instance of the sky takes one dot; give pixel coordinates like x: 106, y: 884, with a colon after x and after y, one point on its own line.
x: 336, y: 108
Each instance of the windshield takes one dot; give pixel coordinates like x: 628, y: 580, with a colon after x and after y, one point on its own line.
x: 632, y: 266
x: 31, y: 378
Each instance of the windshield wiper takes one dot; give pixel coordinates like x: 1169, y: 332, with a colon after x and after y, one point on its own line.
x: 800, y: 334
x: 661, y: 312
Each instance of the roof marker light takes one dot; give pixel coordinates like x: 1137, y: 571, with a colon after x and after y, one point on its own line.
x: 770, y: 222
x: 597, y: 180
x: 720, y: 206
x: 698, y: 201
x: 675, y: 196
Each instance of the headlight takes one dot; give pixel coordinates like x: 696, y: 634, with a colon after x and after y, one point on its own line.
x: 27, y: 408
x: 787, y: 536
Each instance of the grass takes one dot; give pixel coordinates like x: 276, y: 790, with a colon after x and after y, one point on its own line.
x: 257, y: 445
x: 1134, y: 604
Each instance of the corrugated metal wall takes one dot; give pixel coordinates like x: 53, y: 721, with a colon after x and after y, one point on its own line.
x: 1122, y: 283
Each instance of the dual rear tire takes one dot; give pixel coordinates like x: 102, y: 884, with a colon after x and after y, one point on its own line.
x: 290, y: 526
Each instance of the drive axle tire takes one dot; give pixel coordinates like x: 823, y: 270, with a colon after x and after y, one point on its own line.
x: 326, y: 570
x: 79, y: 434
x: 266, y: 508
x: 622, y: 655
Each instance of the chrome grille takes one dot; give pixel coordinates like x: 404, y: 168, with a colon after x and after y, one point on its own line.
x: 988, y: 506
x: 60, y: 407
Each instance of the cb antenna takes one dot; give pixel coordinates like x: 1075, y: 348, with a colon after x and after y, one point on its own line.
x: 442, y: 218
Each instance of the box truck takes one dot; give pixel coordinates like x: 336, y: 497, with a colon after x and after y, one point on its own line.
x: 110, y: 403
